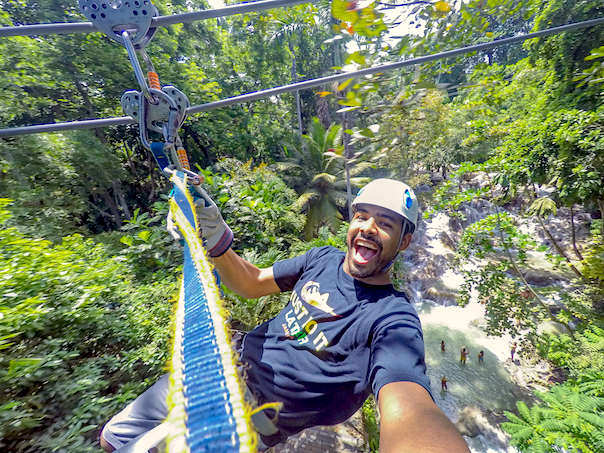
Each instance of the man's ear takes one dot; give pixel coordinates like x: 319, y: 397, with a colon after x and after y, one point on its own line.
x: 405, y: 242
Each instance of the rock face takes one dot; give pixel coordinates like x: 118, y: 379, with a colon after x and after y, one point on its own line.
x: 346, y: 437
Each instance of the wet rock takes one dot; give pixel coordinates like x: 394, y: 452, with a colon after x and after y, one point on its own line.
x: 446, y: 240
x: 435, y: 294
x: 468, y: 422
x: 455, y: 225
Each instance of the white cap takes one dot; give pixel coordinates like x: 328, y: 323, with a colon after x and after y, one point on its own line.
x: 396, y: 196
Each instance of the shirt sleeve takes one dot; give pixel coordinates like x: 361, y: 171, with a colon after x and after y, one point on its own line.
x: 397, y: 352
x: 288, y: 272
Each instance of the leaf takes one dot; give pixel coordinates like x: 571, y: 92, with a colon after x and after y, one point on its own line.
x: 128, y: 240
x: 144, y: 235
x: 442, y: 6
x: 357, y: 57
x: 343, y: 85
x: 324, y: 93
x: 543, y: 206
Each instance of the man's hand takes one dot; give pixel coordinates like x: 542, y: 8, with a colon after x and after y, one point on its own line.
x: 216, y: 234
x: 411, y: 422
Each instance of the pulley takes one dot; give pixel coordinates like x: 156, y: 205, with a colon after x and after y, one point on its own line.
x: 116, y: 16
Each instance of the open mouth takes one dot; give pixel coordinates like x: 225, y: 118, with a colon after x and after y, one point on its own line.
x: 364, y: 251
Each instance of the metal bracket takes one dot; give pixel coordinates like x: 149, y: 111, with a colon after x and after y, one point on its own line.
x: 113, y: 17
x: 170, y: 111
x: 159, y: 114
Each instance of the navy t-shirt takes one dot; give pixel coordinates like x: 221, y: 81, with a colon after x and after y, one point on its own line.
x: 335, y: 342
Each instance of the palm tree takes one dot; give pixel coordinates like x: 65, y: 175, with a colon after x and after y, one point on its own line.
x: 316, y: 167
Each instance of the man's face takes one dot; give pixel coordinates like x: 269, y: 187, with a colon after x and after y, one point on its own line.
x: 373, y: 241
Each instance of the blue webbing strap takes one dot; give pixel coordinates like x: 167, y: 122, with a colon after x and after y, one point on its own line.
x: 160, y: 157
x: 213, y: 401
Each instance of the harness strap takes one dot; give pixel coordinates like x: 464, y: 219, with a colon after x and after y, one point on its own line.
x: 160, y: 156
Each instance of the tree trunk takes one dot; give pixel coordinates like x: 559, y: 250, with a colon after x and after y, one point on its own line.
x: 90, y: 110
x: 574, y: 236
x: 151, y: 165
x: 294, y: 80
x: 559, y: 249
x: 347, y: 157
x: 551, y: 316
x: 120, y: 199
x: 601, y: 206
x: 112, y: 208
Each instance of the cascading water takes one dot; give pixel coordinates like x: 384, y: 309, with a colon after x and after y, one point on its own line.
x: 473, y: 387
x: 486, y: 386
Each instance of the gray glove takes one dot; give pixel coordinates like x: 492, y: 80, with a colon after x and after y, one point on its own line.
x: 216, y: 234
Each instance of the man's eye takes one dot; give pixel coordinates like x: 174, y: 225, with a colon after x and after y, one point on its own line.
x: 386, y: 225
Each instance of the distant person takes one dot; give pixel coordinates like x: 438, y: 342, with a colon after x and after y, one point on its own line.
x: 443, y: 383
x: 513, y: 347
x: 464, y: 354
x: 442, y: 346
x: 481, y: 357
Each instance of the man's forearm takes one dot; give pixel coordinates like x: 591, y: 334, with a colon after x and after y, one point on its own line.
x: 429, y: 431
x: 244, y: 278
x: 410, y: 422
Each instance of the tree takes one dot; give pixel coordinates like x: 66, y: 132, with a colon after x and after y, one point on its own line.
x: 316, y: 167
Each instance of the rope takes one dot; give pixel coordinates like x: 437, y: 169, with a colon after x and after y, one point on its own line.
x: 208, y: 412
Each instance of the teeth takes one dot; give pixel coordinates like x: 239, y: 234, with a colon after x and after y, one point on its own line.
x: 368, y: 245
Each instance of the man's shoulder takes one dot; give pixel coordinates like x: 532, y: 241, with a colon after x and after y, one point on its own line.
x: 326, y: 250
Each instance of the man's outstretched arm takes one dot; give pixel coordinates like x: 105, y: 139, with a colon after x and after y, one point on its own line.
x: 410, y: 422
x: 244, y: 278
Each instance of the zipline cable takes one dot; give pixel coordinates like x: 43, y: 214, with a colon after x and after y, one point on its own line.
x: 162, y: 21
x: 106, y: 122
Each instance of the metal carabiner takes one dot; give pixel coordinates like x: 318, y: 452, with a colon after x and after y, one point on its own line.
x: 138, y: 72
x: 171, y: 131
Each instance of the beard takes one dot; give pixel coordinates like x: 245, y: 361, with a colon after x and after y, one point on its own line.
x: 375, y: 266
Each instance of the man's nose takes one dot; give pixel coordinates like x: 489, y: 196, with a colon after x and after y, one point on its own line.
x: 369, y: 226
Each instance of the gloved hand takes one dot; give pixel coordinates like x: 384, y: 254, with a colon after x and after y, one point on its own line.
x: 216, y: 234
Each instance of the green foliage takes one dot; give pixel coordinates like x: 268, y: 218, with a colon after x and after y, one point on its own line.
x: 317, y: 167
x: 249, y: 313
x: 370, y: 417
x: 80, y: 337
x: 581, y: 357
x: 151, y: 250
x: 567, y: 420
x: 255, y: 203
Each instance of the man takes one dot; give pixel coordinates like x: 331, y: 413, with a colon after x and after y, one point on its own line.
x: 464, y: 351
x: 345, y: 333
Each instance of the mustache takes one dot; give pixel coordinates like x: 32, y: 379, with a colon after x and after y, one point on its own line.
x: 376, y: 240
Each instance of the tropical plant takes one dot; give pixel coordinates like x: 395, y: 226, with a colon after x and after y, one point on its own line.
x: 80, y: 336
x: 316, y: 168
x: 567, y: 420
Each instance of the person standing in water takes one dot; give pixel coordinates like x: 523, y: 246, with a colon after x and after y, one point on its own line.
x: 481, y: 357
x: 442, y: 346
x: 464, y: 354
x: 443, y: 383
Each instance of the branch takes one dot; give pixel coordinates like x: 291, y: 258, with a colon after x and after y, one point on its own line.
x: 559, y: 249
x: 552, y: 317
x: 574, y: 236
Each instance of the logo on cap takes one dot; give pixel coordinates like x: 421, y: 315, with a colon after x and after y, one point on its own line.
x: 408, y: 199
